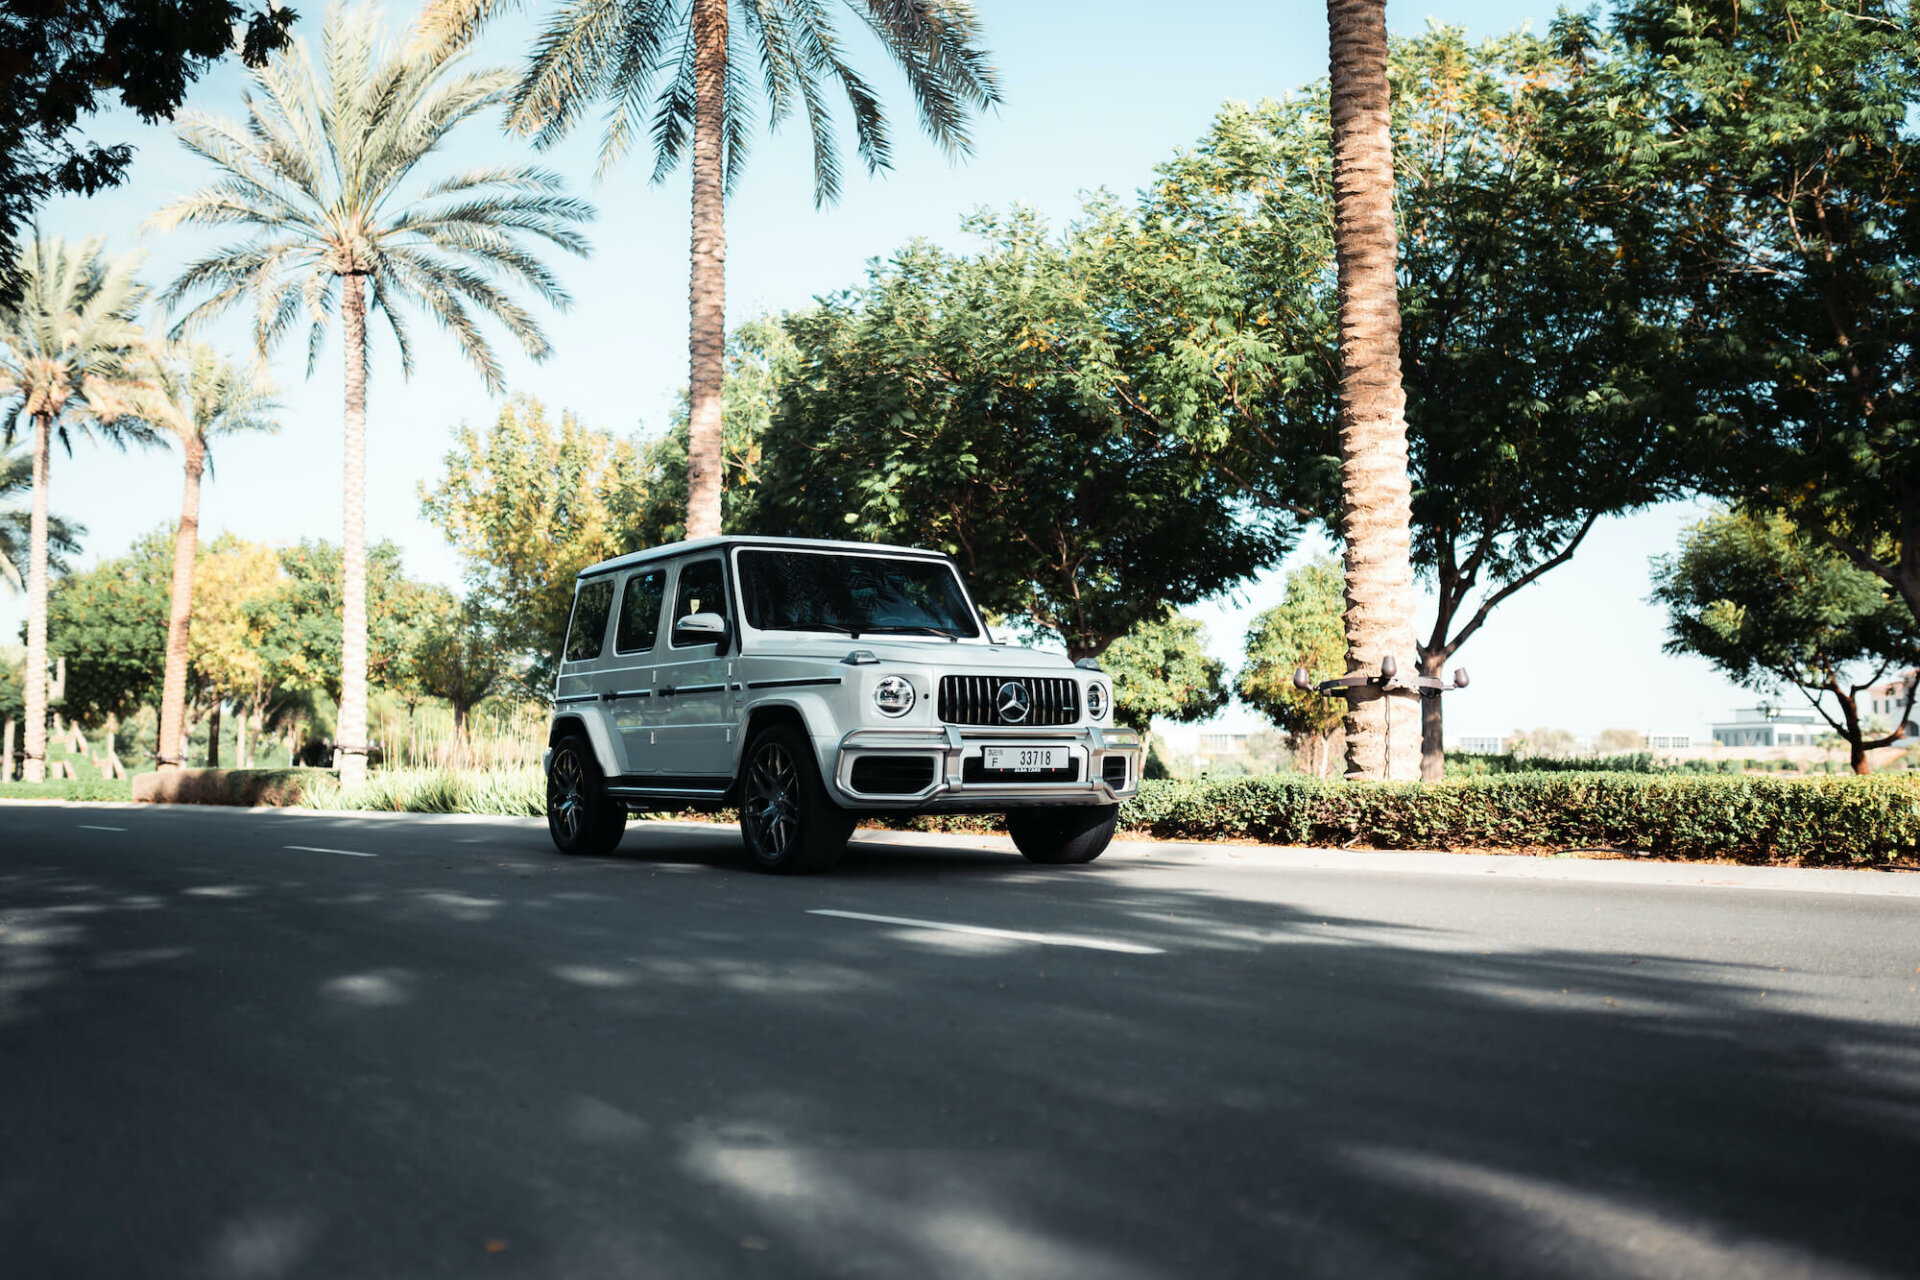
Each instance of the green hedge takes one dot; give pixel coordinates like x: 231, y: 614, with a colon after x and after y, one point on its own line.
x: 1835, y: 821
x: 1823, y: 821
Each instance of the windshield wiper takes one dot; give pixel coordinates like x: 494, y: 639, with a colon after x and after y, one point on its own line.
x: 895, y: 628
x: 842, y: 628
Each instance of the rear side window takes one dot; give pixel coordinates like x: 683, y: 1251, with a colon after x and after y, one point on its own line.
x: 640, y: 612
x: 588, y: 630
x: 702, y: 590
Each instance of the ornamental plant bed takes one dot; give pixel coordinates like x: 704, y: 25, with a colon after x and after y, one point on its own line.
x: 245, y: 787
x: 1842, y: 821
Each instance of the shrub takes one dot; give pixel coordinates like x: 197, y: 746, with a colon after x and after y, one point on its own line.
x: 1832, y: 821
x: 1844, y: 820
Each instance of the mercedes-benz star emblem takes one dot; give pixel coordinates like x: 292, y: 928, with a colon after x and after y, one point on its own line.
x: 1012, y: 702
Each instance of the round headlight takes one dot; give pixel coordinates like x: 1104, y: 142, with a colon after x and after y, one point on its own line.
x: 893, y: 695
x: 1097, y: 701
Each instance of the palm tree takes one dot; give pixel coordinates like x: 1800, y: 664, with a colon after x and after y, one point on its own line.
x: 63, y: 536
x: 316, y: 174
x: 73, y: 360
x: 679, y: 64
x: 206, y: 398
x: 1383, y: 734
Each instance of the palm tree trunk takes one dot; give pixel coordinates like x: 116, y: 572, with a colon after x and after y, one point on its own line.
x: 350, y: 751
x: 34, y: 767
x: 186, y: 544
x: 213, y: 734
x: 707, y: 291
x: 1383, y: 734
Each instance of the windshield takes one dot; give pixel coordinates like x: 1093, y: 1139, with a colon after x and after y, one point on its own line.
x: 853, y: 594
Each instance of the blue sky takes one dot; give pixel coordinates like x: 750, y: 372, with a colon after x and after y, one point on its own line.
x: 1096, y: 95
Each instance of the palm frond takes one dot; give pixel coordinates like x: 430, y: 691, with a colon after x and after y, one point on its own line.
x: 317, y: 173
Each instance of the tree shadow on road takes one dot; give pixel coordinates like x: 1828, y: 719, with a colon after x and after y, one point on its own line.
x: 658, y: 1064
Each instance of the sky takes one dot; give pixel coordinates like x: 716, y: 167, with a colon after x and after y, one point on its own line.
x: 1095, y: 95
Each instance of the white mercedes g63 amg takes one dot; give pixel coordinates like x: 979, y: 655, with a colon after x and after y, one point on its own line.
x: 809, y: 683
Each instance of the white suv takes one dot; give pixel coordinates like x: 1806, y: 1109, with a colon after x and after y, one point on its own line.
x: 808, y: 683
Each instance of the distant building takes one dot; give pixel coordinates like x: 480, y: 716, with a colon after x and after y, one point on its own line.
x: 1477, y: 746
x: 1670, y: 742
x: 1889, y: 701
x: 1770, y: 727
x: 1215, y: 745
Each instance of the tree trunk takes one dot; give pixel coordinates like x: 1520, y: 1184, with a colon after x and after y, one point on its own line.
x: 1383, y: 733
x: 6, y: 751
x: 1433, y: 745
x: 350, y: 750
x: 707, y: 292
x: 213, y: 735
x: 34, y: 767
x: 186, y: 544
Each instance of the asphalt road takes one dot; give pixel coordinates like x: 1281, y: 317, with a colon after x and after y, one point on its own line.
x: 239, y: 1045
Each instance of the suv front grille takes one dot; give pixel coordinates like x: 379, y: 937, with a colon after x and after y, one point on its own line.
x: 975, y: 700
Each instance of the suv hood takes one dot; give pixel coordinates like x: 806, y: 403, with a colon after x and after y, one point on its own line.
x: 919, y: 651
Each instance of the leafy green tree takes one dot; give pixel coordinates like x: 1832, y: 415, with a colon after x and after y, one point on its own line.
x: 1777, y: 140
x: 1538, y: 323
x: 1033, y: 411
x: 63, y: 536
x: 299, y: 621
x: 226, y: 659
x: 72, y: 360
x: 111, y: 626
x: 205, y: 399
x: 1161, y: 671
x: 528, y: 503
x: 1773, y: 608
x: 324, y: 174
x: 685, y: 66
x: 1303, y: 630
x: 63, y: 57
x: 460, y: 658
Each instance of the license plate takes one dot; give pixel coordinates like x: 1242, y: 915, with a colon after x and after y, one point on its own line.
x: 1023, y: 759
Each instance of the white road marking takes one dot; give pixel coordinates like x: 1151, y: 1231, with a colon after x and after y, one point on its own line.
x: 1016, y: 935
x: 308, y: 848
x: 88, y: 826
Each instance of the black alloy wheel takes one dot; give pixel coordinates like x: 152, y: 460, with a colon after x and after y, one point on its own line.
x: 1063, y: 836
x: 787, y: 820
x: 581, y: 817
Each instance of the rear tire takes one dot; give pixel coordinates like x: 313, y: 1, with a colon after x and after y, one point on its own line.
x: 1065, y: 836
x: 788, y: 822
x: 581, y: 817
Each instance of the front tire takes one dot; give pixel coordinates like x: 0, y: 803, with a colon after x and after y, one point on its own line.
x: 581, y: 817
x: 1065, y: 836
x: 788, y: 822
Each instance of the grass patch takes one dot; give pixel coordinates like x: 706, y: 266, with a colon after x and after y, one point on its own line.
x: 95, y: 788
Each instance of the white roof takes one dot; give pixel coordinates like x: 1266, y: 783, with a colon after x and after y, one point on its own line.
x: 741, y: 539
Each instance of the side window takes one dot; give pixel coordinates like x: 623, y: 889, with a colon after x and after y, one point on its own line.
x: 588, y: 630
x: 702, y: 590
x: 640, y: 612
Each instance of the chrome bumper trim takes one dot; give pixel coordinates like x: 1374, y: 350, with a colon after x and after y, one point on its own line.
x: 953, y: 744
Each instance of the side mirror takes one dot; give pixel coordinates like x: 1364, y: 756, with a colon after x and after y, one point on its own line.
x: 700, y: 628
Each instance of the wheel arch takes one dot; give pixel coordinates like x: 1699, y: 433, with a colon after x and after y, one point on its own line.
x: 593, y: 728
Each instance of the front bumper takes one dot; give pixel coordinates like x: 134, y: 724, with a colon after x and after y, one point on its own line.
x: 951, y: 747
